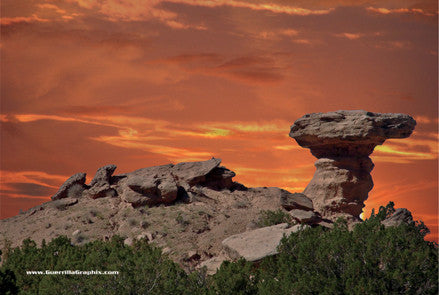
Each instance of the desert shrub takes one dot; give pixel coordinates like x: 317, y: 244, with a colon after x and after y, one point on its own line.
x: 269, y: 218
x: 133, y: 221
x: 234, y: 278
x: 182, y: 220
x: 144, y: 224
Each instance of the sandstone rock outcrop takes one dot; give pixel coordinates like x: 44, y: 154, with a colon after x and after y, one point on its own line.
x: 164, y: 184
x: 75, y: 180
x: 259, y: 243
x: 100, y: 184
x: 400, y: 216
x: 153, y: 185
x: 295, y: 201
x: 342, y: 141
x: 103, y: 175
x: 306, y: 217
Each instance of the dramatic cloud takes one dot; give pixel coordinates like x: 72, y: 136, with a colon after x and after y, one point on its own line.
x: 139, y: 83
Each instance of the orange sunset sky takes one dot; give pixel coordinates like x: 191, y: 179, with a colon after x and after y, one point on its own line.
x: 85, y: 83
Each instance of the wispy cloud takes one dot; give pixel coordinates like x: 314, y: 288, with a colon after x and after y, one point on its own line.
x: 250, y: 127
x: 415, y: 148
x: 22, y: 184
x: 173, y: 153
x: 139, y: 10
x: 22, y: 19
x: 252, y: 69
x: 303, y: 41
x: 426, y: 120
x: 278, y: 34
x: 35, y: 177
x: 350, y: 36
x: 51, y: 7
x: 294, y: 180
x: 382, y: 10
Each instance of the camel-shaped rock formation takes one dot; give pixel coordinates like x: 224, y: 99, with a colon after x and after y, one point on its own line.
x: 342, y: 141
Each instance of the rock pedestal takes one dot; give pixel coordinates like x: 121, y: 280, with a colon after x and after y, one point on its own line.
x: 342, y: 141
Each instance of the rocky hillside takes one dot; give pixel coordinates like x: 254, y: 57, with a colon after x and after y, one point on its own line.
x: 198, y: 215
x: 188, y: 209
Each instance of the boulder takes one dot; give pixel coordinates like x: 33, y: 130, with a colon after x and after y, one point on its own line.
x: 342, y: 141
x: 149, y: 186
x: 303, y: 216
x: 146, y: 184
x: 103, y: 175
x: 212, y: 264
x: 194, y: 172
x: 163, y: 184
x: 400, y: 216
x: 167, y: 190
x: 295, y: 201
x: 259, y: 243
x: 73, y: 181
x: 128, y: 241
x: 134, y: 198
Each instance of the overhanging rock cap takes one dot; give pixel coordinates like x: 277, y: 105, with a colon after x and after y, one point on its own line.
x: 350, y: 127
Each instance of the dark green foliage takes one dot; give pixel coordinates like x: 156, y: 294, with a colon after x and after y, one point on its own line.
x: 269, y: 218
x: 8, y: 282
x: 234, y: 279
x: 370, y: 259
x: 142, y: 269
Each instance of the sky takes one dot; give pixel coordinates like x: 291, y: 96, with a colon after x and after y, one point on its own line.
x: 85, y: 83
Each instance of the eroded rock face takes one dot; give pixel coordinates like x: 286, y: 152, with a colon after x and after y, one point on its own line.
x: 103, y: 175
x: 76, y: 180
x: 100, y: 184
x: 342, y: 141
x: 152, y: 185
